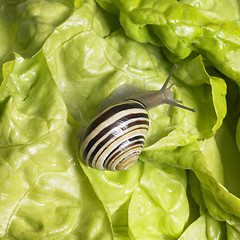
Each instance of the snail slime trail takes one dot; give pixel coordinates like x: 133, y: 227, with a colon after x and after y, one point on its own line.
x: 114, y: 139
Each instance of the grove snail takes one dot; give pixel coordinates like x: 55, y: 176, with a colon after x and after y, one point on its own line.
x: 114, y: 139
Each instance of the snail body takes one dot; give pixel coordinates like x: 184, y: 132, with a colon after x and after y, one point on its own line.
x: 114, y: 139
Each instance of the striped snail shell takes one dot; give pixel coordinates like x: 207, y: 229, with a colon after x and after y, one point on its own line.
x: 114, y: 139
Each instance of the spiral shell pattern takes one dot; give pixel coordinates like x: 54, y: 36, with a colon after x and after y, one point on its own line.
x: 114, y: 139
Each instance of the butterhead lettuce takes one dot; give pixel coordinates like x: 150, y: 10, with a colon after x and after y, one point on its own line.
x: 59, y: 60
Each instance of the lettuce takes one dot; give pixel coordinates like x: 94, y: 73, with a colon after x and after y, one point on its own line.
x: 56, y: 71
x: 186, y: 26
x: 25, y: 25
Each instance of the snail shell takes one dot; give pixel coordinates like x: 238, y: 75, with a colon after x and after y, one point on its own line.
x: 114, y: 139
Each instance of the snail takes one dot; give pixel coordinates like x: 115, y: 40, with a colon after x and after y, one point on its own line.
x: 114, y: 139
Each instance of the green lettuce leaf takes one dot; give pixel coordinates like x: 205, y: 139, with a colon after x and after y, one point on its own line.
x: 25, y: 25
x: 159, y: 206
x: 44, y: 194
x: 126, y: 61
x: 77, y: 68
x: 186, y: 181
x: 114, y: 188
x: 238, y: 135
x: 183, y: 27
x: 204, y: 160
x: 205, y: 227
